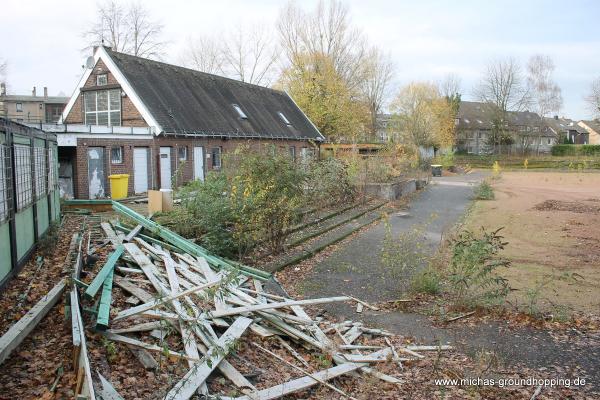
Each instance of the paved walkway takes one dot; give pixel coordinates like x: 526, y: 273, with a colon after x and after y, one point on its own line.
x: 356, y: 269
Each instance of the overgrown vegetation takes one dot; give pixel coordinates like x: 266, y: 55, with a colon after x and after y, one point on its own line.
x: 472, y: 270
x: 484, y: 191
x: 255, y: 200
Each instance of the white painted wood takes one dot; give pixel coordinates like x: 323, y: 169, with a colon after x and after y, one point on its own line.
x: 140, y: 170
x: 187, y: 386
x: 19, y: 331
x: 165, y: 168
x: 260, y: 307
x: 138, y: 343
x: 305, y: 382
x: 108, y: 392
x: 199, y: 163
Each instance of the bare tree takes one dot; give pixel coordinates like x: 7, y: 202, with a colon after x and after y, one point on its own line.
x: 3, y: 68
x: 545, y: 93
x: 504, y: 87
x: 250, y: 55
x: 379, y: 71
x: 593, y: 98
x: 126, y: 29
x: 450, y: 86
x: 327, y: 30
x: 203, y: 54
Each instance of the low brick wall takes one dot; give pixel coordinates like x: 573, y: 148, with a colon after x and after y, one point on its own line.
x: 392, y: 190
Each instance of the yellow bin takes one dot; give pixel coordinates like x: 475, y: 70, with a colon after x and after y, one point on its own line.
x: 118, y: 186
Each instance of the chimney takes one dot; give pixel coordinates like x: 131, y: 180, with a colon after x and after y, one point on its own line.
x: 556, y: 117
x: 33, y: 92
x: 2, y: 89
x: 45, y: 92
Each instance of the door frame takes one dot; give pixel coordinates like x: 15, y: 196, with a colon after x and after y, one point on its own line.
x: 203, y: 156
x: 147, y: 149
x: 160, y: 168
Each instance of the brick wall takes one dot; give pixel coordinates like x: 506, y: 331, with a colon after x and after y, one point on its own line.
x: 184, y: 170
x: 130, y: 116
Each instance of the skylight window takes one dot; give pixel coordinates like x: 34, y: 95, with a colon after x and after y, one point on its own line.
x: 240, y: 112
x: 284, y: 118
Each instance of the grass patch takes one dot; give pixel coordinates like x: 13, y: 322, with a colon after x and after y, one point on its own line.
x: 426, y: 281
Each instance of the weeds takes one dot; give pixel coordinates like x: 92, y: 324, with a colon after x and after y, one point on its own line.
x: 472, y: 274
x: 484, y: 191
x: 426, y: 281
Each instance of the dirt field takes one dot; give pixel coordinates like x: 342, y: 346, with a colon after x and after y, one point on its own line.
x: 552, y: 224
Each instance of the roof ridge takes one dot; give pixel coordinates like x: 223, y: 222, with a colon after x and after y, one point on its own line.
x: 195, y: 71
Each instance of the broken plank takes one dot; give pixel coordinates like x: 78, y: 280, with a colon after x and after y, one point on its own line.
x: 104, y: 306
x: 108, y: 392
x: 268, y: 306
x: 353, y: 334
x: 428, y: 348
x: 144, y: 327
x: 99, y: 279
x: 197, y: 375
x: 144, y: 357
x: 133, y: 233
x: 134, y: 290
x: 305, y: 382
x: 15, y: 335
x: 138, y: 343
x: 110, y: 234
x: 189, y: 343
x: 160, y: 301
x: 84, y: 384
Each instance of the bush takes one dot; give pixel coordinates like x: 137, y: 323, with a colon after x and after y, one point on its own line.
x: 484, y: 191
x: 576, y: 150
x: 426, y: 281
x: 472, y: 278
x: 256, y: 201
x: 328, y: 183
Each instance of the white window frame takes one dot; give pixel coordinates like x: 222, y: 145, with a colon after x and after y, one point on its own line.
x: 216, y: 161
x: 240, y: 112
x: 98, y: 77
x: 19, y: 107
x: 110, y: 93
x: 284, y: 118
x: 185, y: 153
x: 118, y: 160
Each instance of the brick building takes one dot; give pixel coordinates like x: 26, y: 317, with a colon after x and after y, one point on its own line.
x: 163, y: 124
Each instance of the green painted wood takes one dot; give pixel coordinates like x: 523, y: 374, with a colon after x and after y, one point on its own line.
x: 42, y: 215
x: 24, y: 229
x: 17, y: 139
x: 105, y: 299
x: 184, y: 244
x: 5, y: 251
x: 98, y: 281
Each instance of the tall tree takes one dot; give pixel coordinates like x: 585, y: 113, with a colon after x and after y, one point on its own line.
x: 423, y: 115
x: 203, y: 54
x: 450, y: 86
x: 126, y: 29
x: 546, y: 95
x: 315, y: 85
x: 324, y: 31
x: 593, y: 98
x: 504, y: 87
x: 379, y: 71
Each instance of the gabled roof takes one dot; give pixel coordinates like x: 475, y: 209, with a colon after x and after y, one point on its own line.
x: 185, y: 101
x: 563, y: 125
x: 478, y: 115
x: 593, y: 124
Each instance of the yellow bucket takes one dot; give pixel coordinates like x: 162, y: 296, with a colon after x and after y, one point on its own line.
x: 118, y: 186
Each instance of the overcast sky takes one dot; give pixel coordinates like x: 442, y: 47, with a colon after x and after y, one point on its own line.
x: 42, y: 40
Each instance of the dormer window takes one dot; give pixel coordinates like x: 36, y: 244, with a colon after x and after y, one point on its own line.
x: 241, y: 113
x: 284, y: 119
x: 101, y: 80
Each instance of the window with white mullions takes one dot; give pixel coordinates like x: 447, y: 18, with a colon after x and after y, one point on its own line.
x: 23, y: 178
x: 5, y: 198
x: 103, y: 107
x: 39, y: 171
x: 116, y: 155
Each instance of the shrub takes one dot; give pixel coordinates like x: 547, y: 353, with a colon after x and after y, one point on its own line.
x: 484, y: 191
x: 473, y: 264
x: 328, y: 183
x: 256, y: 201
x: 576, y: 150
